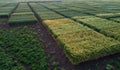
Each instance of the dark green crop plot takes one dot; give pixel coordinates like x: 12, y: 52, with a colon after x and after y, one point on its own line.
x: 6, y: 11
x: 7, y: 62
x: 22, y: 19
x: 23, y: 7
x: 22, y: 43
x: 70, y: 13
x: 45, y: 13
x: 22, y: 15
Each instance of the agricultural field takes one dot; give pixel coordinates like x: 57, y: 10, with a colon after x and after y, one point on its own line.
x: 60, y: 35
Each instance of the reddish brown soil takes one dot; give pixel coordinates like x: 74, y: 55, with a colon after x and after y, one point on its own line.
x: 4, y: 25
x: 51, y: 47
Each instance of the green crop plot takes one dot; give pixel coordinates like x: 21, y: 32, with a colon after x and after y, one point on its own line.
x: 45, y: 13
x: 6, y: 11
x: 22, y: 44
x: 22, y: 15
x: 109, y: 27
x: 81, y: 43
x: 7, y: 63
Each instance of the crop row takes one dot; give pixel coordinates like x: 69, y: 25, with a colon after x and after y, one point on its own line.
x: 66, y: 11
x: 88, y: 9
x: 2, y: 4
x: 79, y: 42
x: 22, y: 15
x: 109, y: 27
x: 109, y: 15
x: 44, y: 13
x: 6, y: 11
x: 22, y: 44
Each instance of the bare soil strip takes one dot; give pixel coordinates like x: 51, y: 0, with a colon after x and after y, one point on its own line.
x: 4, y: 25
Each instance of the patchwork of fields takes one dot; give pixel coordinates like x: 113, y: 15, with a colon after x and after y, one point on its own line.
x: 52, y: 35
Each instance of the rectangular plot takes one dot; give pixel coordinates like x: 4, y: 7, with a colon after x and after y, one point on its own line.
x: 81, y: 43
x: 108, y: 15
x: 5, y: 11
x: 23, y: 7
x: 45, y: 13
x: 23, y: 15
x: 109, y: 27
x: 72, y: 13
x: 49, y: 15
x: 22, y: 19
x: 23, y: 45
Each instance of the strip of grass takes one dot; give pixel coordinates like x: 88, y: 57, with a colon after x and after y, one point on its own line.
x: 81, y: 43
x: 108, y: 15
x: 22, y: 19
x: 109, y: 27
x: 22, y: 43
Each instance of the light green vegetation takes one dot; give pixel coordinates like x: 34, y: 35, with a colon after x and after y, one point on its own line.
x: 109, y: 27
x: 81, y: 43
x: 108, y: 15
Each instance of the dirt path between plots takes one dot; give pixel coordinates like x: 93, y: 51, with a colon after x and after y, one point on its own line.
x: 4, y: 25
x: 52, y: 48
